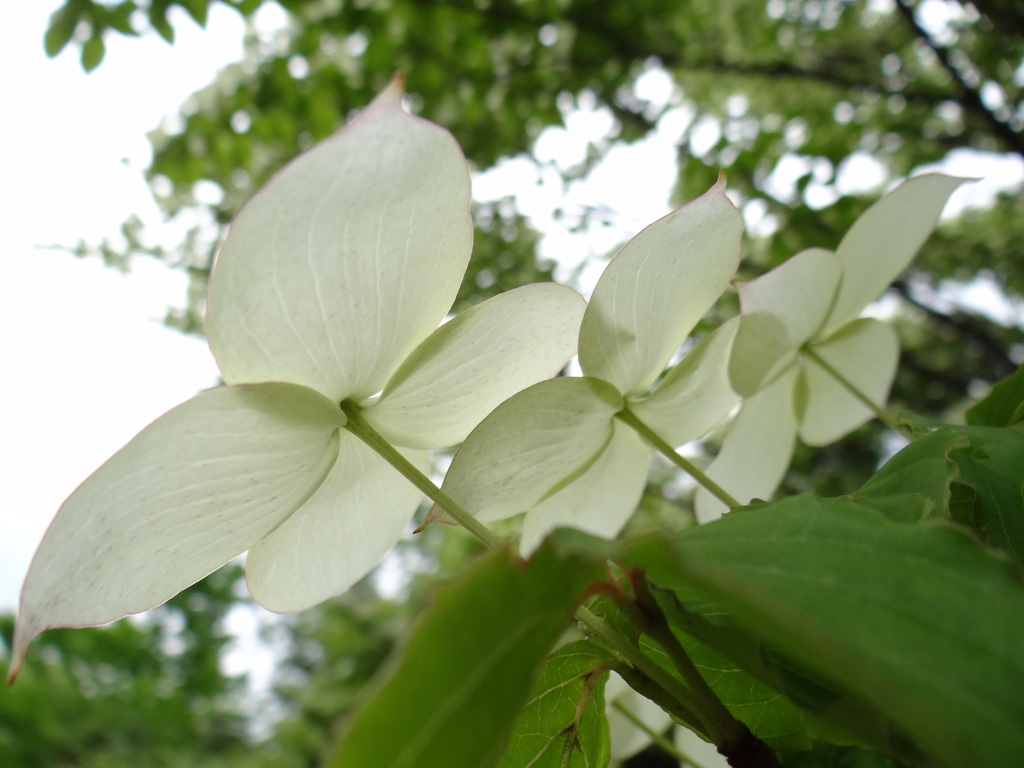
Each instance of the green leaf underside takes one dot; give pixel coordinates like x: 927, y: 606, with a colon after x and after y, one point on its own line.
x: 769, y: 715
x: 1003, y: 406
x: 563, y: 725
x: 451, y: 698
x: 915, y: 483
x: 918, y: 621
x: 993, y: 466
x: 971, y: 474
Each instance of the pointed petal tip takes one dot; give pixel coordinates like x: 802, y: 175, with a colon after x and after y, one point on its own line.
x: 392, y: 94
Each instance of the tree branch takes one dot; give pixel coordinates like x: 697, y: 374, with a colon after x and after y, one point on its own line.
x: 968, y: 326
x: 970, y: 96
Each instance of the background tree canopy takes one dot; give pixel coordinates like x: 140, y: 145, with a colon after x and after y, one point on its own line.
x: 788, y: 96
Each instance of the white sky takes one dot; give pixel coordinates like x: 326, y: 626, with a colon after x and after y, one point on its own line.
x: 88, y: 362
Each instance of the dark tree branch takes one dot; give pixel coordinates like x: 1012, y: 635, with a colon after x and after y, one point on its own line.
x: 970, y: 96
x: 968, y: 326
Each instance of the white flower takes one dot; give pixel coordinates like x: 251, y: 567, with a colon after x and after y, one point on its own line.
x: 328, y: 289
x: 810, y: 306
x: 556, y: 450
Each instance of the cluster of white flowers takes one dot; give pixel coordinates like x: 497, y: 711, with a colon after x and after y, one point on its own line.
x: 326, y: 300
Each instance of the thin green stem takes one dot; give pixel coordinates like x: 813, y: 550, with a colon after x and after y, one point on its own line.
x: 656, y: 737
x: 690, y: 704
x: 652, y: 437
x: 358, y: 426
x: 656, y: 625
x: 808, y: 351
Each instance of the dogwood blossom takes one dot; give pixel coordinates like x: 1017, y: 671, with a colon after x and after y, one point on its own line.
x: 803, y: 317
x: 327, y: 292
x: 556, y: 450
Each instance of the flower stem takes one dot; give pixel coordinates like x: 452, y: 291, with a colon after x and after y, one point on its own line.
x: 656, y: 737
x: 648, y: 434
x: 691, y: 706
x: 656, y: 626
x: 850, y: 387
x: 359, y: 427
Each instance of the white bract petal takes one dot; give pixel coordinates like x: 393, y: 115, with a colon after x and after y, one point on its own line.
x: 356, y: 516
x: 782, y: 310
x: 472, y: 363
x: 882, y: 242
x: 627, y: 739
x: 531, y: 445
x: 703, y: 754
x: 656, y: 289
x: 756, y: 451
x: 865, y: 353
x: 347, y: 259
x: 695, y: 395
x: 600, y: 500
x: 197, y: 487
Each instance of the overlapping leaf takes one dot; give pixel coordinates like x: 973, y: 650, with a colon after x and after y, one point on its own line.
x: 451, y: 697
x: 563, y: 724
x: 920, y: 623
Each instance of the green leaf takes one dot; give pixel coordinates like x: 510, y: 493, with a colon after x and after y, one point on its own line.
x: 197, y: 487
x: 62, y: 27
x: 472, y: 363
x: 92, y: 52
x: 970, y: 474
x: 563, y: 725
x: 915, y: 483
x: 656, y: 289
x: 769, y: 715
x: 992, y: 465
x: 158, y: 20
x: 827, y: 711
x: 452, y: 695
x: 347, y: 259
x: 120, y: 18
x: 825, y: 755
x: 1003, y: 406
x: 197, y: 9
x: 920, y: 622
